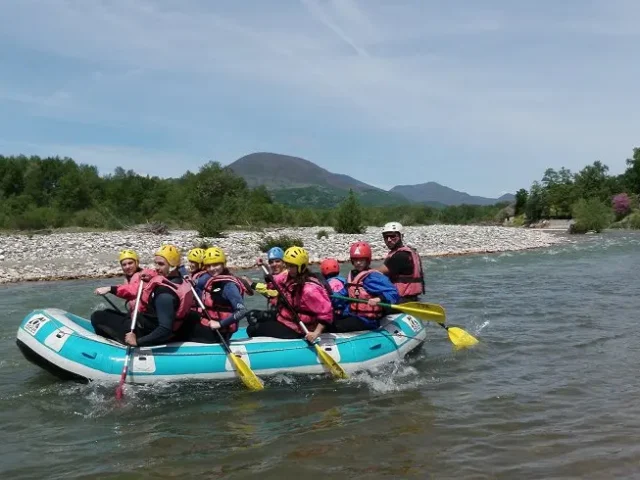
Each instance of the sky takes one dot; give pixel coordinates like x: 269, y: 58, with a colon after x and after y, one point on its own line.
x: 481, y: 96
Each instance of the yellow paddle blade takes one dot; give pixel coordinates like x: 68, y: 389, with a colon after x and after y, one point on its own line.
x: 460, y: 338
x: 246, y: 374
x: 336, y: 370
x: 423, y: 311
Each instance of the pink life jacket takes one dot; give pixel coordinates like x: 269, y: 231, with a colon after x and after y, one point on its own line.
x: 287, y: 317
x: 217, y: 306
x: 182, y: 291
x: 355, y: 289
x: 409, y: 285
x: 336, y: 284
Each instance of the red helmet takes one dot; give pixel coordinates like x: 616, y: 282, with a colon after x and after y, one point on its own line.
x: 329, y: 266
x: 360, y: 250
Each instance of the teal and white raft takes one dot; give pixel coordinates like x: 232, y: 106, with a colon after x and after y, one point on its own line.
x: 67, y: 346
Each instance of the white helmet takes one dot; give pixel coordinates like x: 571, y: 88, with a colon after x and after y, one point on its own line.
x: 392, y: 227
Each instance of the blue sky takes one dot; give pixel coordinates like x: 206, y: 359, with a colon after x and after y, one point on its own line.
x: 480, y: 96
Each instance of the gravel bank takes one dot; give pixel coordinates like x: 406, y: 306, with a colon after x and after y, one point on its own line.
x: 61, y: 256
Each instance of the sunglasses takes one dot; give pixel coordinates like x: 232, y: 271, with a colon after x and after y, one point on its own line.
x: 390, y: 235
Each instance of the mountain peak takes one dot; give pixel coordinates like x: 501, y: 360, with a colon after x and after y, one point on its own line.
x: 300, y: 182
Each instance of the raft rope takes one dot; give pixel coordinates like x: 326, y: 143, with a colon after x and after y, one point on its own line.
x: 154, y: 353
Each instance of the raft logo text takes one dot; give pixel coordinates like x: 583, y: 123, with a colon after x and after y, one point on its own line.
x: 35, y: 323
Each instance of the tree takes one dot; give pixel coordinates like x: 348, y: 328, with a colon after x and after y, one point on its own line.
x: 590, y: 214
x: 537, y: 206
x: 521, y: 201
x: 631, y: 176
x: 593, y: 182
x: 349, y: 215
x: 621, y: 204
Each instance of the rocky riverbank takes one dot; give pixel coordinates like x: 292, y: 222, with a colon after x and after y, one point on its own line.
x: 61, y: 256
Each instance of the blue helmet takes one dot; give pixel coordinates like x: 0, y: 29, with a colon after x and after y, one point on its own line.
x: 276, y: 253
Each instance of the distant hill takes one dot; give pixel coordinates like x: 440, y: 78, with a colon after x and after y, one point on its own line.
x: 299, y: 182
x: 434, y: 192
x: 296, y: 181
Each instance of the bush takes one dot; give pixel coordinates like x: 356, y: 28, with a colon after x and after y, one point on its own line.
x: 88, y: 218
x: 621, y: 204
x: 634, y: 220
x: 349, y: 216
x: 589, y: 215
x: 322, y: 234
x: 39, y: 218
x: 211, y: 226
x: 282, y: 241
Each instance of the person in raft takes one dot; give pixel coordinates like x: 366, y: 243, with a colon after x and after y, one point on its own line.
x: 364, y: 283
x: 223, y: 298
x: 274, y: 257
x: 306, y: 294
x: 130, y: 264
x: 330, y: 269
x: 165, y: 304
x: 402, y: 264
x: 197, y: 271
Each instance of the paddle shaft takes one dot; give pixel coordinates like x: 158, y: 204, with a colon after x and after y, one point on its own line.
x: 125, y: 367
x: 115, y: 307
x: 225, y: 345
x: 286, y: 301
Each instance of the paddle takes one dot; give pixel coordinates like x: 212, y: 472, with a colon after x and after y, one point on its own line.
x: 125, y: 367
x: 426, y: 311
x: 333, y: 366
x: 112, y: 304
x: 245, y: 373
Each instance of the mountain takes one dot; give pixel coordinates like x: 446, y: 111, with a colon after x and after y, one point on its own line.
x: 299, y: 182
x: 434, y: 192
x: 296, y: 181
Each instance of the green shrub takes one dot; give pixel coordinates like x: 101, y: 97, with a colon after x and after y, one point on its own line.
x: 322, y: 234
x: 211, y: 227
x: 590, y: 214
x: 88, y: 218
x: 39, y: 218
x: 634, y: 220
x: 282, y: 241
x: 349, y: 215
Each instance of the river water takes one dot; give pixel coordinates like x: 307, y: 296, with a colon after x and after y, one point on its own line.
x: 550, y: 392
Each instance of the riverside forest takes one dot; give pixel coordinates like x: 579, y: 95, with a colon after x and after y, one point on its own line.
x: 47, y: 193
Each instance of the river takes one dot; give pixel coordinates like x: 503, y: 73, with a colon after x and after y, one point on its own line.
x: 550, y: 392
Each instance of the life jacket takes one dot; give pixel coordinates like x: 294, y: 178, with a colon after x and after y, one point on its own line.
x: 355, y: 289
x: 409, y: 285
x: 134, y: 280
x: 336, y: 284
x: 182, y: 291
x: 218, y: 307
x: 286, y: 316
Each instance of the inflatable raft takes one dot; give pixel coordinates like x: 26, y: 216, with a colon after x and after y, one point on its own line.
x: 67, y: 346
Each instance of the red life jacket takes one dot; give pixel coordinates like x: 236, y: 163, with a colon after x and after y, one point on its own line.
x: 286, y: 316
x: 133, y: 280
x: 218, y: 307
x: 409, y: 285
x: 355, y: 289
x: 182, y: 291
